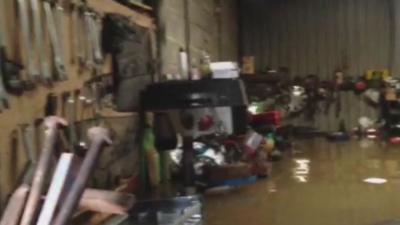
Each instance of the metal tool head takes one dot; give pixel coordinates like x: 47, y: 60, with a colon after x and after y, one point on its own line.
x: 28, y: 141
x: 52, y: 122
x: 99, y: 134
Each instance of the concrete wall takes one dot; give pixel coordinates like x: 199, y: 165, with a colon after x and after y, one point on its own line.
x: 213, y: 28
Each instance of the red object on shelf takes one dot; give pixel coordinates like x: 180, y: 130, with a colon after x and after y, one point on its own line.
x: 267, y: 118
x: 205, y: 123
x: 394, y: 140
x: 361, y: 86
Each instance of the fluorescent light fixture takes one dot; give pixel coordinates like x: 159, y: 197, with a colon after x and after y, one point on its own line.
x: 375, y: 180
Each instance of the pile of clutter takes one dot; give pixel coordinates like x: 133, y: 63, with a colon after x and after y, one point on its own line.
x: 308, y: 96
x: 231, y: 161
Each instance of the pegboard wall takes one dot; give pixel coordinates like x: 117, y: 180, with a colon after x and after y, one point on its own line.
x: 30, y: 106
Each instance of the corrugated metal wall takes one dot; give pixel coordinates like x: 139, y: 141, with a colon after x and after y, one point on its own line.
x: 317, y: 37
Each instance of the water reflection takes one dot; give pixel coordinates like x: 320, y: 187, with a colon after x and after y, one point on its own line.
x: 301, y: 170
x: 322, y: 183
x: 271, y: 186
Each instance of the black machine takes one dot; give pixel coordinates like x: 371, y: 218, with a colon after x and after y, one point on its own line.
x: 198, y: 107
x: 188, y: 100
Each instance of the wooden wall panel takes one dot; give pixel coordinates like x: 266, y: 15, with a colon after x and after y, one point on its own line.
x: 30, y: 105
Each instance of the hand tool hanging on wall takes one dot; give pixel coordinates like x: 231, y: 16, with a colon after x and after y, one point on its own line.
x: 52, y: 109
x: 93, y: 24
x: 13, y: 158
x: 4, y: 41
x: 40, y: 46
x: 88, y: 30
x: 51, y: 129
x: 3, y: 93
x: 51, y: 105
x: 64, y: 103
x: 102, y: 88
x: 53, y: 25
x: 28, y: 141
x: 94, y: 90
x: 71, y: 117
x: 79, y: 144
x: 39, y: 134
x: 30, y: 54
x: 86, y: 103
x: 9, y: 71
x: 99, y: 137
x: 88, y: 41
x: 61, y: 29
x: 10, y: 74
x: 78, y: 39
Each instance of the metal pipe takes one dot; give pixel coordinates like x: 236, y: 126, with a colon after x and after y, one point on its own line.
x: 58, y: 185
x: 109, y: 202
x: 15, y: 206
x: 32, y: 205
x: 99, y: 137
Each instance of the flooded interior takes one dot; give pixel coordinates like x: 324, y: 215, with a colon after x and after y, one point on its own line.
x: 318, y: 183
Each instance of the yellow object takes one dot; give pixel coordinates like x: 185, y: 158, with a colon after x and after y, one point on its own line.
x: 248, y: 66
x: 269, y: 145
x: 391, y: 94
x: 152, y: 158
x: 153, y: 167
x: 377, y: 74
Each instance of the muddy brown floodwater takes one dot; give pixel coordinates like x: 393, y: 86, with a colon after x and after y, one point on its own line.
x: 318, y: 183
